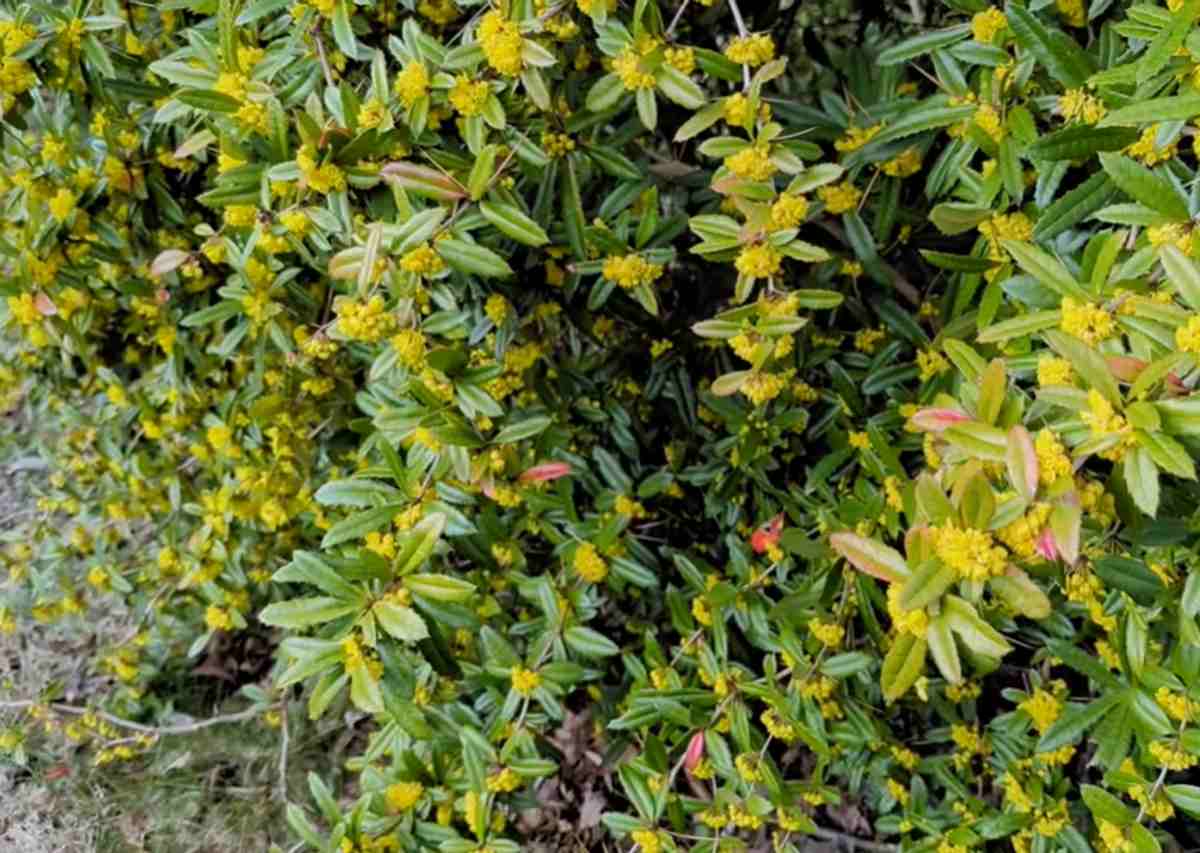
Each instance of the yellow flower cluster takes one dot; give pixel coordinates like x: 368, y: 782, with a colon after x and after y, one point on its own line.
x: 913, y: 622
x: 828, y: 634
x: 627, y: 65
x: 323, y: 179
x: 857, y: 137
x: 525, y: 681
x: 840, y: 198
x: 1088, y: 322
x: 972, y: 554
x: 469, y: 97
x: 1187, y: 336
x: 904, y: 164
x: 986, y: 25
x: 1052, y: 370
x: 1078, y: 105
x: 788, y: 211
x: 1043, y: 708
x: 1148, y: 150
x: 752, y: 50
x: 752, y: 163
x: 630, y: 271
x: 759, y: 260
x: 501, y: 43
x: 1053, y: 461
x: 588, y: 563
x: 763, y: 387
x: 402, y: 796
x: 412, y: 83
x: 364, y: 321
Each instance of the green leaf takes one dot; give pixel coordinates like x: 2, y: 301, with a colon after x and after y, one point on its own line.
x: 1174, y: 108
x: 1046, y: 268
x: 1019, y: 327
x: 1075, y: 720
x: 355, y: 492
x: 307, y: 567
x: 1088, y: 363
x: 213, y: 102
x: 512, y: 222
x: 928, y: 582
x: 924, y: 43
x: 1079, y: 142
x: 1182, y: 273
x: 302, y: 612
x: 403, y: 623
x: 589, y: 643
x: 1131, y: 576
x: 1057, y: 52
x: 522, y: 429
x: 1105, y: 806
x: 944, y: 651
x: 679, y: 88
x: 1185, y: 797
x: 1167, y: 42
x: 929, y: 115
x: 261, y: 9
x: 472, y: 258
x: 439, y: 587
x: 904, y: 664
x: 213, y: 314
x: 360, y: 524
x: 1144, y: 186
x: 1167, y: 453
x: 1073, y: 207
x: 415, y: 546
x: 1141, y: 479
x: 343, y: 33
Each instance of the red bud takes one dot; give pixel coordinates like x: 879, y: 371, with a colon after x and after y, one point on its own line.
x: 768, y: 535
x: 1046, y: 546
x: 695, y: 752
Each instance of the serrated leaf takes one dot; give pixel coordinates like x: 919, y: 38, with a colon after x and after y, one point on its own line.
x: 1144, y: 186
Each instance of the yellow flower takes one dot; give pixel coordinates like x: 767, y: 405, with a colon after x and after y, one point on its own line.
x: 788, y: 211
x: 752, y: 163
x: 412, y: 83
x: 1089, y: 323
x: 759, y: 260
x: 469, y: 96
x: 372, y: 114
x: 857, y: 137
x: 904, y: 164
x: 217, y: 619
x: 972, y: 554
x: 988, y: 119
x: 646, y: 840
x: 1053, y: 462
x: 402, y: 796
x: 1052, y: 370
x: 1187, y: 336
x: 860, y: 440
x: 763, y: 387
x: 828, y: 634
x: 588, y: 563
x: 501, y: 43
x: 986, y: 25
x: 682, y: 59
x: 1073, y: 12
x: 1043, y: 709
x: 525, y: 681
x: 423, y: 261
x: 627, y: 65
x: 1147, y: 150
x: 840, y: 198
x: 752, y: 50
x: 629, y: 271
x: 931, y: 363
x: 1078, y: 105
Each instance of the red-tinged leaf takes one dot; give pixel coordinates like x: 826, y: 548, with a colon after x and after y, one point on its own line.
x: 873, y: 558
x: 936, y: 420
x: 695, y: 752
x: 1124, y: 367
x: 768, y: 535
x: 1046, y: 546
x: 45, y: 305
x: 1065, y: 522
x: 1022, y: 462
x: 545, y: 472
x: 423, y: 181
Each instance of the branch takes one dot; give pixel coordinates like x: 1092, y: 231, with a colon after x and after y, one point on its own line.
x: 158, y: 731
x: 283, y: 750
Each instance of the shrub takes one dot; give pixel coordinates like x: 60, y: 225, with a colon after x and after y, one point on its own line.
x: 620, y: 430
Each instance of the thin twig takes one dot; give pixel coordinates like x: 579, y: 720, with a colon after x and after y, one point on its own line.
x: 320, y: 42
x: 675, y: 20
x: 744, y: 33
x: 283, y: 750
x: 182, y: 729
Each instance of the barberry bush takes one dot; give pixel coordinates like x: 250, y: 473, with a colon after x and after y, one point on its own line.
x: 640, y: 424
